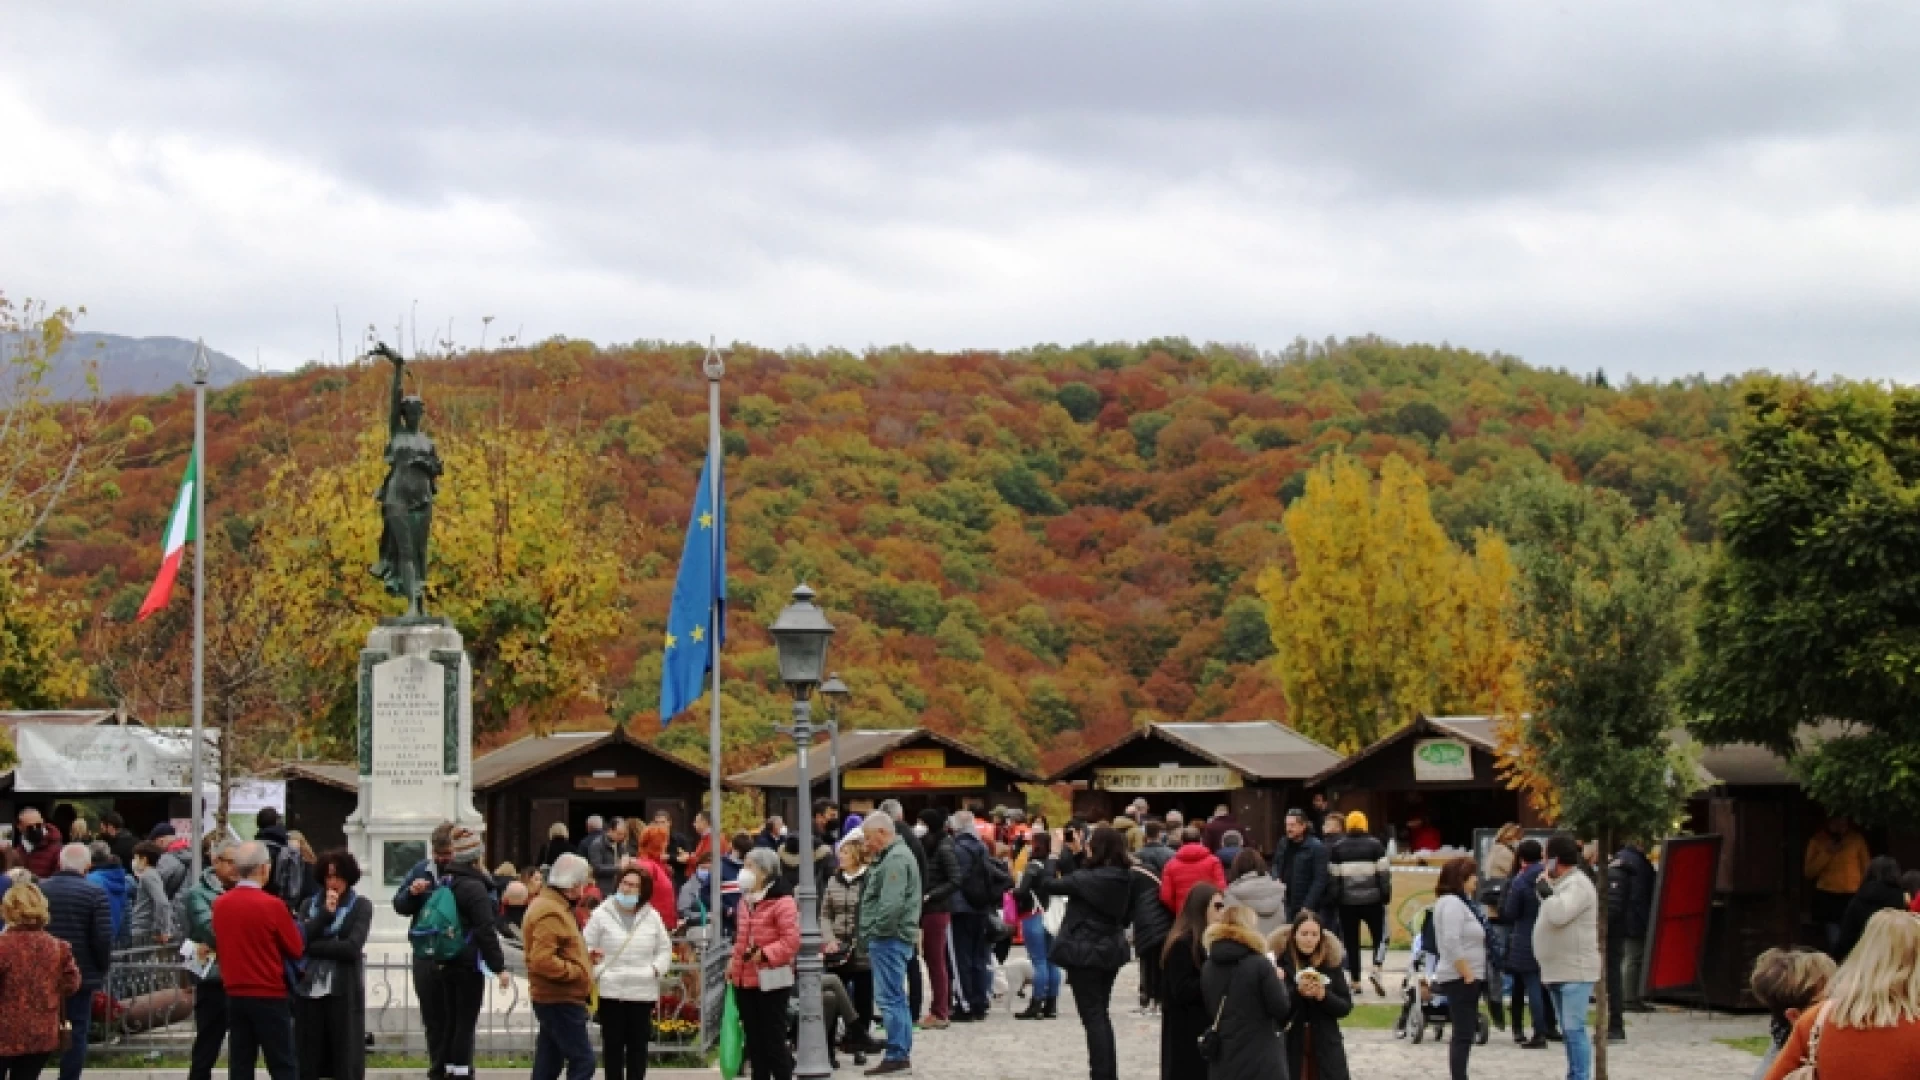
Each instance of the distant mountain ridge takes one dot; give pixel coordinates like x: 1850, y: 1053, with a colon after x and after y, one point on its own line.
x: 130, y: 365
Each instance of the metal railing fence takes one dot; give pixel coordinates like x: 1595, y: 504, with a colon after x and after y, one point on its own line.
x: 146, y: 1007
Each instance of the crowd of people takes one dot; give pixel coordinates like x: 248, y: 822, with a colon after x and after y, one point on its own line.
x: 1250, y: 965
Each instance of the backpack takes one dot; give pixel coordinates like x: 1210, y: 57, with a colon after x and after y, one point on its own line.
x: 437, y: 934
x: 289, y: 878
x: 985, y: 883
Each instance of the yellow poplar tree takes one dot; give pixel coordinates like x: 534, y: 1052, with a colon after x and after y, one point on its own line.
x: 1382, y: 616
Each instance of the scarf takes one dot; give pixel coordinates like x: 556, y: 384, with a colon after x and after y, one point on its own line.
x: 340, y: 912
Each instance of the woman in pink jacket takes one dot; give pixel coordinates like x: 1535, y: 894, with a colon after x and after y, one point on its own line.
x: 764, y: 946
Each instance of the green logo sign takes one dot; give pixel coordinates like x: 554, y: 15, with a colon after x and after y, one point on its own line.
x: 1443, y: 754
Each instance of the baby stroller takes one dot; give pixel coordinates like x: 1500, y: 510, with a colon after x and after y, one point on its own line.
x: 1421, y: 1007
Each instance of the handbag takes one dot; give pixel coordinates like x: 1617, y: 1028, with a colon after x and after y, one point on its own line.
x: 1211, y: 1044
x: 1810, y: 1068
x: 771, y: 978
x: 733, y: 1038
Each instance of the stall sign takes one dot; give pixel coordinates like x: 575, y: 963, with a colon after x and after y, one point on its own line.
x: 888, y: 778
x: 1149, y: 781
x: 1441, y: 761
x: 61, y: 759
x: 1682, y: 907
x: 916, y: 759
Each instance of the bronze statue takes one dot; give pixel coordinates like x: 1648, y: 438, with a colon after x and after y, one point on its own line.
x: 406, y: 496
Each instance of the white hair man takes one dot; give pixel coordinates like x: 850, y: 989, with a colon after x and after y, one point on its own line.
x: 560, y: 971
x: 889, y: 930
x: 257, y: 941
x: 974, y: 902
x: 79, y: 914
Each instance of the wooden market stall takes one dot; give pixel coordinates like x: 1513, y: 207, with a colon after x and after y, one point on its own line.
x: 1257, y: 769
x: 523, y: 788
x: 919, y: 767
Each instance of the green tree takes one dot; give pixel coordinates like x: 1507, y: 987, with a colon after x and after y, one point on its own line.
x: 1808, y: 613
x: 1081, y: 401
x: 39, y: 664
x: 1245, y: 637
x: 1602, y: 609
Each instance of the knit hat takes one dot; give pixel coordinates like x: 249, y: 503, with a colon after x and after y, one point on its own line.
x: 467, y: 847
x: 163, y: 829
x: 1356, y: 822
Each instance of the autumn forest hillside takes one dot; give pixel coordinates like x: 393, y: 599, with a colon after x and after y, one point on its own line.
x: 1033, y: 550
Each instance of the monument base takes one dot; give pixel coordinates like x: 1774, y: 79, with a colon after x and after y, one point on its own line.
x: 416, y: 756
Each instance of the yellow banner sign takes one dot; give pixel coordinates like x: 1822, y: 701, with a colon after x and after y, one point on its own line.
x: 913, y: 779
x: 1151, y: 780
x: 917, y: 759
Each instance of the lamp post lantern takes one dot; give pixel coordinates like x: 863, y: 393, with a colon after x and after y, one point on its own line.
x: 800, y: 636
x: 835, y: 692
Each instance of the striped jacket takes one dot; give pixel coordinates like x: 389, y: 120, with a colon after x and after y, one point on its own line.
x: 1360, y: 871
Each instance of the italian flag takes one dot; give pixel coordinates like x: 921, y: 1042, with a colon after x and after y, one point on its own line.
x: 182, y: 530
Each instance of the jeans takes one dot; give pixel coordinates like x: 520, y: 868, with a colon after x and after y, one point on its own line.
x: 1463, y: 1012
x: 563, y: 1039
x: 452, y: 1017
x: 971, y: 949
x: 890, y: 958
x: 80, y: 1015
x: 1529, y: 993
x: 933, y: 945
x: 764, y: 1014
x: 209, y: 1027
x: 1092, y: 993
x: 625, y: 1028
x: 1570, y: 1001
x: 24, y: 1066
x: 1046, y: 977
x: 260, y: 1027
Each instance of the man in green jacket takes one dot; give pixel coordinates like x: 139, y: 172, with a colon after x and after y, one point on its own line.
x: 209, y: 994
x: 889, y: 930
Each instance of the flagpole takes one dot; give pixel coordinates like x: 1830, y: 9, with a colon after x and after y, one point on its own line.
x: 714, y: 368
x: 200, y: 369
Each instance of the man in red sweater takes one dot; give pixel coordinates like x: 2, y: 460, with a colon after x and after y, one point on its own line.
x: 257, y: 938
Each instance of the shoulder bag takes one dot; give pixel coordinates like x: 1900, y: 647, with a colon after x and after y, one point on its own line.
x: 1211, y: 1044
x: 1810, y: 1068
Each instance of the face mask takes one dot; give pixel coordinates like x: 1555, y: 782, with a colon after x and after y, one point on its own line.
x: 749, y: 881
x: 35, y: 834
x: 625, y: 901
x: 919, y: 832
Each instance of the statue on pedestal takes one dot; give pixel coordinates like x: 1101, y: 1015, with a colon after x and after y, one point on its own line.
x: 406, y: 496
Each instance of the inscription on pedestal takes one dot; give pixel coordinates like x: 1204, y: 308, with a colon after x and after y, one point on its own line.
x: 409, y: 721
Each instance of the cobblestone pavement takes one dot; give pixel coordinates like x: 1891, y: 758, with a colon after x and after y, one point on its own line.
x: 1667, y: 1045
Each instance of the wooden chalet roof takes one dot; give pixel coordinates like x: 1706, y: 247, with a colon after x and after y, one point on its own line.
x: 1260, y: 749
x: 858, y: 748
x: 537, y: 753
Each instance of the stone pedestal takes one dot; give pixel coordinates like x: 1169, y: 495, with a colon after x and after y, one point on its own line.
x: 416, y: 755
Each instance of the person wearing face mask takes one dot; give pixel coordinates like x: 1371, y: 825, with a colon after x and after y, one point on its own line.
x: 630, y: 948
x: 151, y: 922
x: 408, y: 901
x: 39, y: 844
x: 560, y: 974
x: 761, y: 970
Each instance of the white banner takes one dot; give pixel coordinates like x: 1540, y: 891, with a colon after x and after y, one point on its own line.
x: 58, y: 759
x: 1147, y: 781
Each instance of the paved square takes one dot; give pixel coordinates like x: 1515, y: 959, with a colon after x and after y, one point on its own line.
x: 1663, y: 1046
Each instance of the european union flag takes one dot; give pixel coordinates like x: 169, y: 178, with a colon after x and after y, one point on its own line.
x: 697, y: 624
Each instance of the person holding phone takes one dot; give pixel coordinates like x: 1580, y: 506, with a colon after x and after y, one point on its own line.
x: 1566, y: 942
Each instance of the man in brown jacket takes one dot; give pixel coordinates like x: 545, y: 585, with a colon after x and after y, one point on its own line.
x: 559, y: 973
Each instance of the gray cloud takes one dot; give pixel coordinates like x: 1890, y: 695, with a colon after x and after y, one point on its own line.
x: 1660, y: 188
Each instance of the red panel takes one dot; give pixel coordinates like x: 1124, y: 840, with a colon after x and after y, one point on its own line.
x: 1681, y: 907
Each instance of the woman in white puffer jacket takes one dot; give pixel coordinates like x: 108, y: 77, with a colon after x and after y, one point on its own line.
x: 631, y: 951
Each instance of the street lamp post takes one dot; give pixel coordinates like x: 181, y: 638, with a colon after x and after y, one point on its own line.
x: 835, y: 692
x: 800, y: 636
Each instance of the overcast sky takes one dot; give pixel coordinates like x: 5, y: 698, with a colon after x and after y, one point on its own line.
x: 1654, y: 187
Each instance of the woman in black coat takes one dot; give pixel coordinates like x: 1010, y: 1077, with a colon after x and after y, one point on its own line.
x: 1245, y: 994
x: 330, y: 1004
x: 1315, y: 1048
x: 1183, y: 1008
x: 1091, y: 948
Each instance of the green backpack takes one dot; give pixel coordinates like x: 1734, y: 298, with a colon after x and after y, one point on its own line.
x: 437, y: 934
